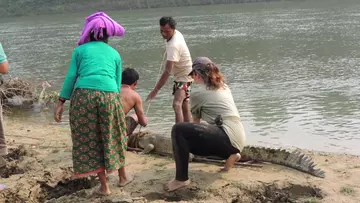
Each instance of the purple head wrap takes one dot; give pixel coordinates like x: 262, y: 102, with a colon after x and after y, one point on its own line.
x: 96, y: 23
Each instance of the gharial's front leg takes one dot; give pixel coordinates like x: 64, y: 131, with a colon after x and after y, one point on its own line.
x: 147, y: 149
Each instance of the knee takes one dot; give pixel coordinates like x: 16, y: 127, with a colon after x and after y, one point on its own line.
x: 177, y: 105
x: 176, y: 130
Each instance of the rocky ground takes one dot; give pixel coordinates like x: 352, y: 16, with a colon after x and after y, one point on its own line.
x: 39, y: 170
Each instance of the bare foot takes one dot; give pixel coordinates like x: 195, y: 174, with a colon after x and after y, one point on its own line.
x: 125, y: 180
x: 102, y: 191
x: 231, y: 161
x: 175, y: 184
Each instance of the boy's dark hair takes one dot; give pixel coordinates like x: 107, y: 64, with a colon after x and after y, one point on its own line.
x: 129, y: 76
x: 168, y: 20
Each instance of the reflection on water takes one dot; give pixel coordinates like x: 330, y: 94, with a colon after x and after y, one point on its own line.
x: 292, y: 67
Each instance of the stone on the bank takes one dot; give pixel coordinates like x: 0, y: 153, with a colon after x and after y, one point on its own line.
x: 123, y: 199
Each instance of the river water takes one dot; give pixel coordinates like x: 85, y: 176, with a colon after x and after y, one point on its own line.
x: 293, y: 66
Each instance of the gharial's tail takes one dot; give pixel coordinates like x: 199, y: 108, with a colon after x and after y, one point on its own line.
x: 294, y: 159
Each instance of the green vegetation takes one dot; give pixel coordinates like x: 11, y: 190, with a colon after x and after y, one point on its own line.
x: 347, y: 190
x: 37, y: 7
x: 313, y: 200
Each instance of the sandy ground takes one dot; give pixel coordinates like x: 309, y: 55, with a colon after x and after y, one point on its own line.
x: 39, y: 170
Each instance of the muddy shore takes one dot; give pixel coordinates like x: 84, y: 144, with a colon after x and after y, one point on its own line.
x: 39, y: 170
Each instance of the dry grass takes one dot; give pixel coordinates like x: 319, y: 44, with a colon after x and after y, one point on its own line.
x: 347, y: 190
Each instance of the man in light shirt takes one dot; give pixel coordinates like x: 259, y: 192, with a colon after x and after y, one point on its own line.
x: 179, y: 64
x: 3, y: 70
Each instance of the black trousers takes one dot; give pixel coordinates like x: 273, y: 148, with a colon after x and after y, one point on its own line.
x: 199, y: 139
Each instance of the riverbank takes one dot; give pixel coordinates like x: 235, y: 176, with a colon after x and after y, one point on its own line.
x: 39, y: 168
x: 26, y: 8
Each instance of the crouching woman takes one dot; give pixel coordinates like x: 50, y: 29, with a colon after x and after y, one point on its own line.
x: 224, y: 137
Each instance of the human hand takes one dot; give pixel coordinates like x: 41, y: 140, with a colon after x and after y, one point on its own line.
x: 58, y: 112
x: 152, y: 95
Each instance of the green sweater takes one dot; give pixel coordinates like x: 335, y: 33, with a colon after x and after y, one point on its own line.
x: 94, y: 65
x: 2, y: 54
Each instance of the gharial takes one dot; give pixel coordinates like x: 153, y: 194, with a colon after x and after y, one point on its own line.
x: 160, y: 143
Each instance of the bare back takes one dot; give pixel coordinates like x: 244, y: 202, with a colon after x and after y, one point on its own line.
x: 128, y: 98
x: 132, y: 100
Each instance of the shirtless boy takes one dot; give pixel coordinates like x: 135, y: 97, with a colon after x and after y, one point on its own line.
x: 131, y: 100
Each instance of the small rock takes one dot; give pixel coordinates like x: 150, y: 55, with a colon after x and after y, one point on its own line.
x: 34, y: 193
x: 28, y: 164
x: 126, y: 200
x: 82, y: 193
x: 53, y: 200
x: 119, y: 200
x: 140, y: 200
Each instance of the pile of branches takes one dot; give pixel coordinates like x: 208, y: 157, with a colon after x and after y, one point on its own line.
x: 19, y: 92
x: 16, y: 87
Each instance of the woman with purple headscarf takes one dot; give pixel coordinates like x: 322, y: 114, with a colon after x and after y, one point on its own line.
x: 97, y: 120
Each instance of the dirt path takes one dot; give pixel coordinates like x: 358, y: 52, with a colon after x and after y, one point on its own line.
x: 39, y: 170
